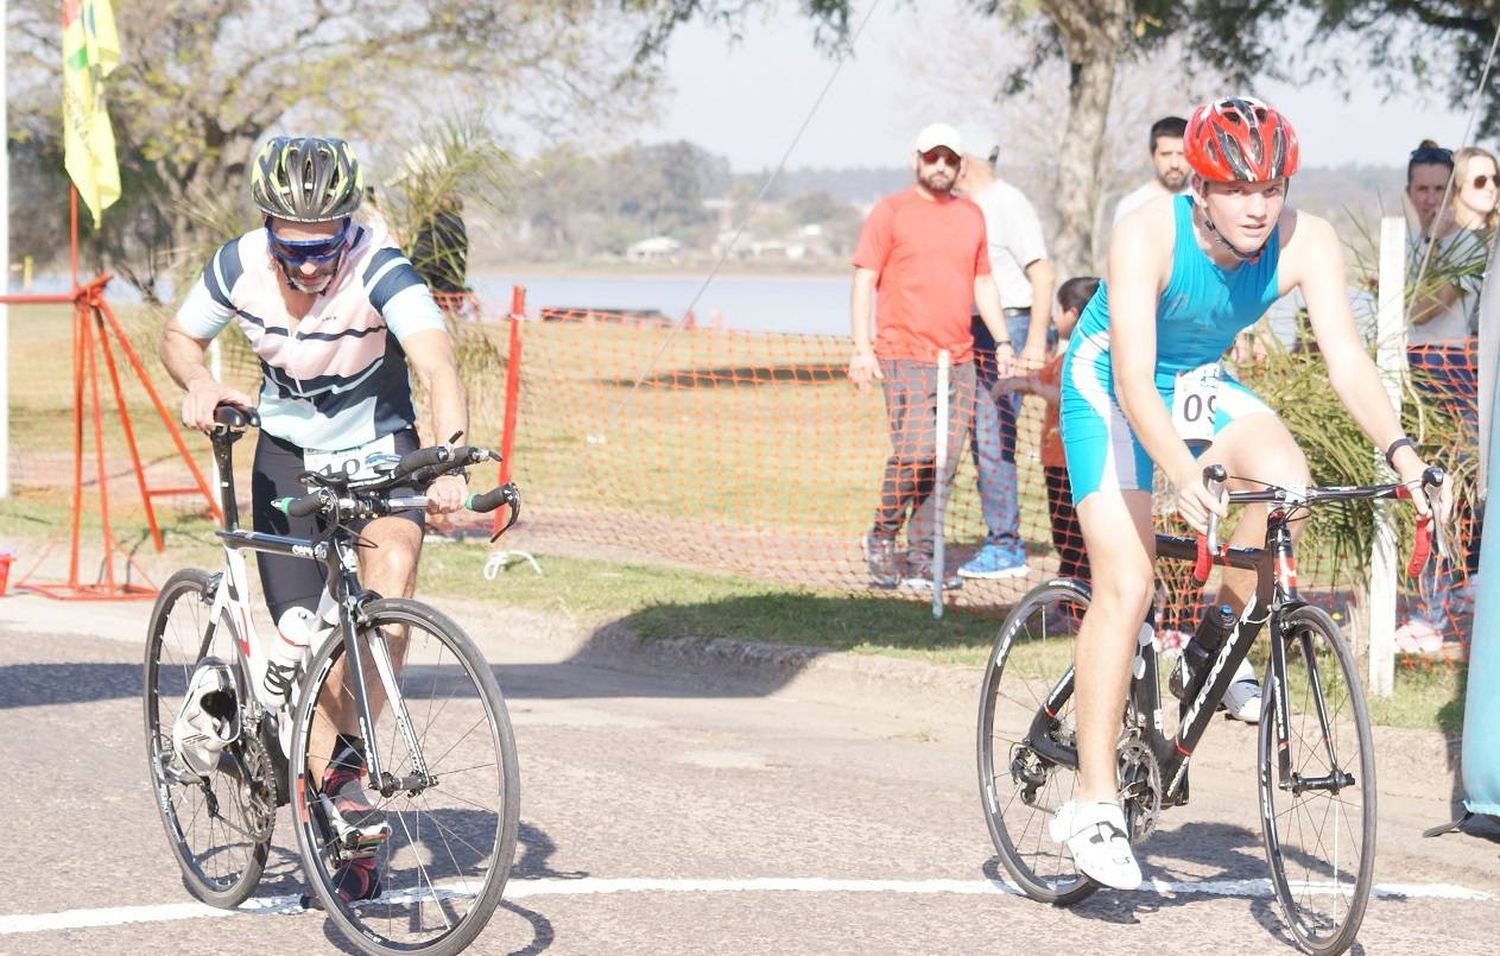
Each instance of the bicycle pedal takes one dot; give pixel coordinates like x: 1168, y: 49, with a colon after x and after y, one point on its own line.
x: 351, y: 840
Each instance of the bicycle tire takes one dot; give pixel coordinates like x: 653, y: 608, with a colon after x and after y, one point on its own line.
x: 172, y: 652
x: 1344, y: 881
x: 1017, y: 820
x: 369, y: 925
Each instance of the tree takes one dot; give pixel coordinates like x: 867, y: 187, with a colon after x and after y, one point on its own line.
x: 1401, y: 42
x: 1092, y: 36
x: 202, y: 81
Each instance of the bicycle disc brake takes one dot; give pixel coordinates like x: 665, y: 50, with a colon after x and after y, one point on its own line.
x: 1140, y: 785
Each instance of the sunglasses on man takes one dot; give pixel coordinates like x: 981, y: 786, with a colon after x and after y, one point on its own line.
x: 320, y: 251
x: 940, y: 154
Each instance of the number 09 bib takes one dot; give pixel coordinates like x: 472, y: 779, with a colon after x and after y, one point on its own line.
x: 1195, y: 400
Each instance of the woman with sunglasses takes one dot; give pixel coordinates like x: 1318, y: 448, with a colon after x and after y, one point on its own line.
x: 336, y: 314
x: 1142, y: 386
x: 1442, y: 351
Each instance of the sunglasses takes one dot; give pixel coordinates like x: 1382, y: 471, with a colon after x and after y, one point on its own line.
x: 1484, y: 180
x: 940, y: 154
x: 294, y: 252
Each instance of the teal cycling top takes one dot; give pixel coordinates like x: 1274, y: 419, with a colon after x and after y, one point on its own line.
x: 1200, y: 311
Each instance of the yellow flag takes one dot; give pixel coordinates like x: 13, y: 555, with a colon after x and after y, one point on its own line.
x: 91, y: 50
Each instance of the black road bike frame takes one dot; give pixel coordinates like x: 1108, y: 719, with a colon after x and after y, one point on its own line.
x: 1275, y: 596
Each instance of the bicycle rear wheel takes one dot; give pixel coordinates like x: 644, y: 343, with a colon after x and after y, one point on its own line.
x: 1019, y: 788
x: 1318, y: 814
x: 219, y: 825
x: 444, y: 865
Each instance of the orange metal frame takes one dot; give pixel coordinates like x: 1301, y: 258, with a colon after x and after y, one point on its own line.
x: 94, y: 324
x: 512, y: 394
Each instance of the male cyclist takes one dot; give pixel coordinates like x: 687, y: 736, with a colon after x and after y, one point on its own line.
x: 1185, y: 276
x: 335, y: 313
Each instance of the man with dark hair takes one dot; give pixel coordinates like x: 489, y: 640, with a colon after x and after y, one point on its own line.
x: 1171, y: 166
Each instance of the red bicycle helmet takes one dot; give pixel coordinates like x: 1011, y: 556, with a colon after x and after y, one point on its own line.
x: 1241, y: 139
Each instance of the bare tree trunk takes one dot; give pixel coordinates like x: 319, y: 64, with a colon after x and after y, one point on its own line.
x: 1094, y: 32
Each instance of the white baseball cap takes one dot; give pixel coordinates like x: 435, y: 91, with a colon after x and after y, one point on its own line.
x: 939, y: 134
x: 979, y: 140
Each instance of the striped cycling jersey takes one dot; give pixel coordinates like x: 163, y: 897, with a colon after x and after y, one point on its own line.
x: 340, y: 380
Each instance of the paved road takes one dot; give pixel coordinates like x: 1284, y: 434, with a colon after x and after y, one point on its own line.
x: 669, y: 815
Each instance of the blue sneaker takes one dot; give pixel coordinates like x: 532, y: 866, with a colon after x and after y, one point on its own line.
x: 994, y: 562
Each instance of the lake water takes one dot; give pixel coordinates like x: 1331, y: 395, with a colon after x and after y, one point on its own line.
x: 817, y: 305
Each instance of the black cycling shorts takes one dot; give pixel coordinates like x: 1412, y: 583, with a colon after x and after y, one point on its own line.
x: 285, y: 581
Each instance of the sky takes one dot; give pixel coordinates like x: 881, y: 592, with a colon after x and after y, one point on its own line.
x: 747, y: 100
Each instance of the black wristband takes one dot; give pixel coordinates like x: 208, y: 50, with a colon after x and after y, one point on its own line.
x: 1390, y: 453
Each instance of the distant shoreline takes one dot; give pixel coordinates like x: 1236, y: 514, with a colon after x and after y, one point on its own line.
x: 604, y: 270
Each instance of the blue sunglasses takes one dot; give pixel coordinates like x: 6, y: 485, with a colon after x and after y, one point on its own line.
x: 294, y: 252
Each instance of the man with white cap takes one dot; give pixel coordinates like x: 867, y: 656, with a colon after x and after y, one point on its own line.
x: 924, y: 251
x: 1018, y: 255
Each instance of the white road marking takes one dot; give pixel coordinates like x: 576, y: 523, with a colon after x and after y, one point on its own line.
x: 524, y: 889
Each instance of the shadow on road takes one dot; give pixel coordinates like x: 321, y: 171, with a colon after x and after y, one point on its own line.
x: 39, y: 685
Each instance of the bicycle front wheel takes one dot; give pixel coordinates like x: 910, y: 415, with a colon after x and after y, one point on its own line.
x: 218, y: 824
x: 1317, y: 786
x: 1021, y: 788
x: 451, y: 800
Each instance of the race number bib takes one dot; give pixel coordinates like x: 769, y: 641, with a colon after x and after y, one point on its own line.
x: 1195, y: 399
x: 353, y: 462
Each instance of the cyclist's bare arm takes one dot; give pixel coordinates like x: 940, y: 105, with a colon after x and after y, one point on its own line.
x: 1140, y: 261
x: 430, y: 353
x: 182, y: 355
x: 1317, y: 266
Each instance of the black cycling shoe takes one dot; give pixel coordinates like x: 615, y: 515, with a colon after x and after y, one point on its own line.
x: 353, y: 881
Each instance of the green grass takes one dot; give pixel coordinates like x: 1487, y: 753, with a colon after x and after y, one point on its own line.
x: 663, y: 602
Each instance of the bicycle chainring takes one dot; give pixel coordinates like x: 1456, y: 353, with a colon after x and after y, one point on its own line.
x: 259, y: 785
x: 1140, y: 785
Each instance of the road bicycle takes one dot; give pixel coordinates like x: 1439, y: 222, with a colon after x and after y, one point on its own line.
x: 225, y: 751
x: 1316, y: 758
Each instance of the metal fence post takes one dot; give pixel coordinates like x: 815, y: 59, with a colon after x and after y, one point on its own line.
x: 1390, y: 358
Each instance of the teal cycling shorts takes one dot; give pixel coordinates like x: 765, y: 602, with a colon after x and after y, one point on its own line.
x: 1102, y: 449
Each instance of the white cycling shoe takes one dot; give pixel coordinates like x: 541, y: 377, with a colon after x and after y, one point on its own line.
x: 1242, y: 699
x: 1095, y: 834
x: 209, y: 718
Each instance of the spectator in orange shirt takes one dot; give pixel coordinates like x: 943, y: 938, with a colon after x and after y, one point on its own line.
x: 922, y: 255
x: 1067, y: 536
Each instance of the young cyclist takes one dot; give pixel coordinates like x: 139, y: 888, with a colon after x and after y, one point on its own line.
x: 1186, y: 274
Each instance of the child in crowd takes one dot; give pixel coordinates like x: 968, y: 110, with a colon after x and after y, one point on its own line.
x: 1067, y: 536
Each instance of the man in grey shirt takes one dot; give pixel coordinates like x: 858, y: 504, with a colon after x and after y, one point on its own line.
x: 1018, y: 256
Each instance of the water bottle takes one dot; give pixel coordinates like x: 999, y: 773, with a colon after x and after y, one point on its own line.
x: 1199, y: 653
x: 295, y: 630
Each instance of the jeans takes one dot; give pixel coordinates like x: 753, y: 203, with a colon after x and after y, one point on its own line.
x: 911, y: 477
x: 994, y: 440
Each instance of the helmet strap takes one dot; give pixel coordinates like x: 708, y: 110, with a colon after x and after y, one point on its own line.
x: 1213, y: 230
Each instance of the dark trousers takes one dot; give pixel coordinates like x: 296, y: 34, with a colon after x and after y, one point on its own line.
x: 907, y: 491
x: 1067, y: 534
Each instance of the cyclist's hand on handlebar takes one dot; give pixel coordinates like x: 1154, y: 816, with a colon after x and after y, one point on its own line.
x: 1195, y: 502
x: 203, y: 396
x: 1412, y: 470
x: 446, y: 494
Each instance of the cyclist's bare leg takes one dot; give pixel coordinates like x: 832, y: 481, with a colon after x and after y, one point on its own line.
x: 1256, y: 446
x: 1123, y: 584
x: 390, y: 570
